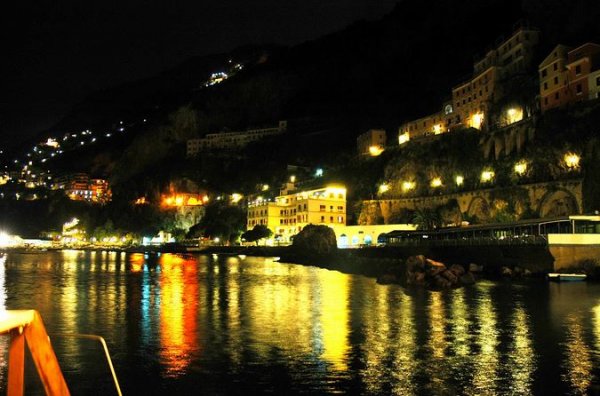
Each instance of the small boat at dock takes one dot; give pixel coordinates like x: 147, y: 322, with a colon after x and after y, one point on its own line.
x: 558, y: 277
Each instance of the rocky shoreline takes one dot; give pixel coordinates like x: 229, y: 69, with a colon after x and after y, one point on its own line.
x: 387, y: 267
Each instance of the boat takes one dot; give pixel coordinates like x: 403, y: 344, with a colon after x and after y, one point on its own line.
x: 558, y: 277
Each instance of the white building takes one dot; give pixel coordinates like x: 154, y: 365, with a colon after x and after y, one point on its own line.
x: 231, y: 140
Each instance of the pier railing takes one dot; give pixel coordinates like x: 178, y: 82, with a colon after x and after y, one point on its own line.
x: 473, y: 241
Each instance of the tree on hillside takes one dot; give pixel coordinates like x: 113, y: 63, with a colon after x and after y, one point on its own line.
x: 257, y: 233
x: 427, y: 219
x: 220, y: 221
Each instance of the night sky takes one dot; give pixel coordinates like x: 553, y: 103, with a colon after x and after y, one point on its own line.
x: 60, y: 51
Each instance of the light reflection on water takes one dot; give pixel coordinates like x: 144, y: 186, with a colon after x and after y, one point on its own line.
x: 217, y: 325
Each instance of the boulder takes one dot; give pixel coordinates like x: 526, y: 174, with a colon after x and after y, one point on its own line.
x: 458, y: 270
x: 450, y: 276
x: 415, y: 263
x: 422, y: 271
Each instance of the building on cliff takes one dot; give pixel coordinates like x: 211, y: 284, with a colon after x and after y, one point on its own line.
x: 433, y: 124
x: 569, y: 76
x: 473, y: 99
x: 371, y: 143
x: 232, y: 140
x: 80, y: 187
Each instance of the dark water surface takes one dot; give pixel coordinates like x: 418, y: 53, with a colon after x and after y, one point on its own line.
x: 227, y: 325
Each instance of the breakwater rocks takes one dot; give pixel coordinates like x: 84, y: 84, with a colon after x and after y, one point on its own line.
x: 422, y: 271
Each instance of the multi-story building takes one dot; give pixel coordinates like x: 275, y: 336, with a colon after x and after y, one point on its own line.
x: 231, y: 140
x: 79, y: 187
x: 594, y: 84
x: 583, y: 62
x: 371, y: 142
x: 472, y: 99
x: 569, y: 75
x: 553, y: 79
x: 434, y: 124
x: 513, y: 56
x: 293, y: 209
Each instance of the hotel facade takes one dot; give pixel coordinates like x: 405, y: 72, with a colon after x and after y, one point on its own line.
x: 292, y: 210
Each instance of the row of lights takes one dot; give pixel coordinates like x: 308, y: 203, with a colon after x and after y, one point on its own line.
x: 571, y: 161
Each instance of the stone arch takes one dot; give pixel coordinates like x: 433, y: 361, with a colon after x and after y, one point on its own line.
x: 479, y: 208
x: 487, y: 146
x: 498, y: 146
x: 558, y: 203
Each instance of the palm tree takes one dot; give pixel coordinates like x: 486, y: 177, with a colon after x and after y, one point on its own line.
x: 427, y: 219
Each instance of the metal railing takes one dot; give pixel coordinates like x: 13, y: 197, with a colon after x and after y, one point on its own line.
x: 27, y: 326
x: 529, y: 240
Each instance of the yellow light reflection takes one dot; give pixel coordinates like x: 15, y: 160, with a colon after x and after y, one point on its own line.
x: 485, y: 363
x: 334, y: 317
x: 579, y: 364
x: 521, y: 355
x: 178, y: 312
x: 437, y: 319
x: 460, y: 329
x: 136, y: 260
x: 278, y: 315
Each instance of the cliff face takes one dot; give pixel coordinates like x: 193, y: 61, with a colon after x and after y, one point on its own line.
x: 371, y: 74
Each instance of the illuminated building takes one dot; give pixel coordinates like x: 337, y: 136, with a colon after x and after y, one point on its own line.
x: 434, y: 124
x: 511, y: 57
x: 79, y: 187
x: 291, y: 211
x: 569, y: 75
x: 180, y: 199
x: 371, y: 143
x: 231, y: 140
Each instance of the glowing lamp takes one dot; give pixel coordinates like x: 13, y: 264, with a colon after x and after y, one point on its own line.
x: 487, y: 176
x: 235, y: 197
x: 384, y: 188
x: 571, y: 160
x: 436, y: 182
x: 521, y: 168
x: 374, y: 151
x: 514, y: 115
x: 459, y: 180
x: 408, y: 186
x: 403, y: 138
x: 476, y: 120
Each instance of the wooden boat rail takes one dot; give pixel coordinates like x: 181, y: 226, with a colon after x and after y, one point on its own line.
x: 26, y: 326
